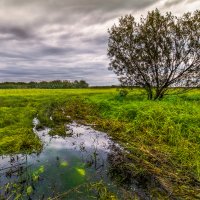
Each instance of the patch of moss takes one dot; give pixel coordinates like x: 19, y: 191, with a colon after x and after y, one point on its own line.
x: 19, y: 140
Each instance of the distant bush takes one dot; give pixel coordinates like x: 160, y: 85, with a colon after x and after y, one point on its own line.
x: 123, y: 93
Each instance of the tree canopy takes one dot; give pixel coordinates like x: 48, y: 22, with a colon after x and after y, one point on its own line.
x: 158, y: 52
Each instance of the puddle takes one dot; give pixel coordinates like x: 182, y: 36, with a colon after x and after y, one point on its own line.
x: 63, y: 164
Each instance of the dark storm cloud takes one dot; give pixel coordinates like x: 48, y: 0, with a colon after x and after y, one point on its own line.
x: 81, y: 4
x: 67, y: 51
x: 62, y: 39
x: 73, y: 11
x: 54, y: 51
x: 17, y: 32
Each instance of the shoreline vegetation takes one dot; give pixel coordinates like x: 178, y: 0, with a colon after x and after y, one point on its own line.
x: 161, y: 138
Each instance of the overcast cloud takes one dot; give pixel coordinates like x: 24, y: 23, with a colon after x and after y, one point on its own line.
x: 66, y: 39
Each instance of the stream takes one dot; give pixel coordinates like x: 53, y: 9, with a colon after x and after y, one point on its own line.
x: 63, y: 166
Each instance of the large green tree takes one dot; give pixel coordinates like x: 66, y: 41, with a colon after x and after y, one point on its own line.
x: 158, y: 52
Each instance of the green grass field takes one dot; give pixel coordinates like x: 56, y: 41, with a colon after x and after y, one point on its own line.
x: 162, y: 137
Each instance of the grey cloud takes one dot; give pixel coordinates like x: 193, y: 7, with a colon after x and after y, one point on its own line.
x: 80, y: 4
x: 63, y: 51
x: 54, y: 51
x: 16, y: 32
x: 61, y: 39
x: 95, y: 75
x: 13, y: 55
x: 72, y: 11
x: 97, y: 40
x: 170, y: 3
x: 192, y: 1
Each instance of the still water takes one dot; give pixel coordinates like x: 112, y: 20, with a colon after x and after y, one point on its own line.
x: 62, y: 169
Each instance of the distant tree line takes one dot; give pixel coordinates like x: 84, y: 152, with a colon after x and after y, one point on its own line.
x: 56, y: 84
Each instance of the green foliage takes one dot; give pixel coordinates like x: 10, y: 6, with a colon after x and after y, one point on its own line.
x: 80, y: 171
x: 162, y: 137
x: 56, y: 84
x: 36, y: 174
x: 155, y: 52
x: 59, y: 130
x: 122, y: 94
x: 18, y: 140
x: 102, y: 191
x: 16, y: 133
x: 64, y: 164
x: 29, y: 190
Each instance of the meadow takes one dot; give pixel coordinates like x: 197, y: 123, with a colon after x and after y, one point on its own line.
x: 161, y: 138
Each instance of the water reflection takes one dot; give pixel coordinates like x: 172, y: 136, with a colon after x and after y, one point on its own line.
x: 63, y: 164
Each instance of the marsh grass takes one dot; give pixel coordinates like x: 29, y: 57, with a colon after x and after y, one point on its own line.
x: 16, y: 135
x: 162, y: 137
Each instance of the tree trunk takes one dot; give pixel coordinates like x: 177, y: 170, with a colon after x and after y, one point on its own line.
x: 150, y: 93
x: 159, y: 94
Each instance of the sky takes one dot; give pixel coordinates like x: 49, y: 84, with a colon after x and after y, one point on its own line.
x: 67, y: 39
